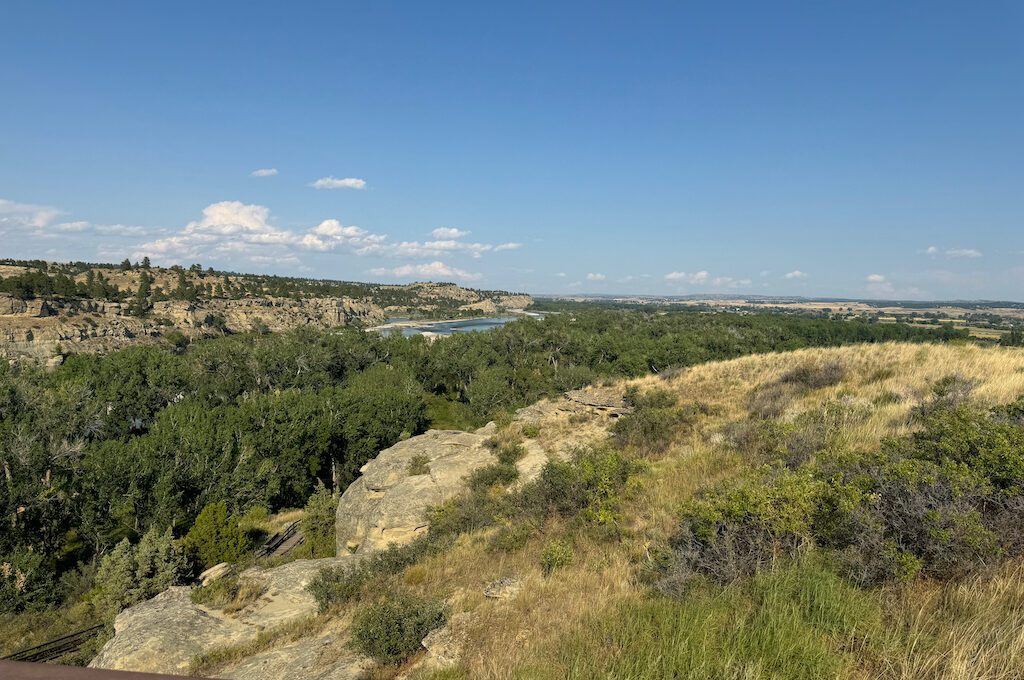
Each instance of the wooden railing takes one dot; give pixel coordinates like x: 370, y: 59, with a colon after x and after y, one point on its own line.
x: 55, y: 649
x: 282, y: 542
x: 17, y: 670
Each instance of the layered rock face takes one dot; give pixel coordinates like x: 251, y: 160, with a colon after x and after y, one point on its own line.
x: 36, y: 327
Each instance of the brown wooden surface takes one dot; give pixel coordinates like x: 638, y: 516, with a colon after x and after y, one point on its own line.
x: 17, y: 670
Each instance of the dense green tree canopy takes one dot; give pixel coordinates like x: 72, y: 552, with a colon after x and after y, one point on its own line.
x: 107, y: 447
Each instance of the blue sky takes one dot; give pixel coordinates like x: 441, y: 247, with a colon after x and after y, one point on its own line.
x: 815, y: 148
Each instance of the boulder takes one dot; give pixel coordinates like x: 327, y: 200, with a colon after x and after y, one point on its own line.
x: 163, y: 634
x: 503, y: 588
x: 320, y: 657
x: 444, y: 645
x: 387, y: 505
x: 213, y: 573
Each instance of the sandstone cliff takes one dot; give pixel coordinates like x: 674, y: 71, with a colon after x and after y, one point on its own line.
x: 37, y: 327
x: 223, y: 302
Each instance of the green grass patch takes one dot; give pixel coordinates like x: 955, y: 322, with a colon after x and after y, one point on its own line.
x: 794, y: 622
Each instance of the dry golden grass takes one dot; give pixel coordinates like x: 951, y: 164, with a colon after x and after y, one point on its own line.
x: 970, y: 630
x: 906, y: 371
x: 975, y: 629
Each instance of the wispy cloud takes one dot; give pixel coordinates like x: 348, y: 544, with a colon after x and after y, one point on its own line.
x: 428, y: 270
x: 935, y: 251
x: 70, y: 227
x: 879, y: 285
x: 596, y: 276
x: 704, y: 278
x: 795, y: 274
x: 694, y: 278
x: 729, y: 282
x: 334, y: 183
x: 22, y: 216
x: 264, y: 172
x: 448, y: 232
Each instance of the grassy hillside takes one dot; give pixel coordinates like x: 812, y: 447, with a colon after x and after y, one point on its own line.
x: 612, y: 589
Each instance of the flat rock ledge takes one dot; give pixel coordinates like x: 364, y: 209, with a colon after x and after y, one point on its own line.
x: 163, y: 634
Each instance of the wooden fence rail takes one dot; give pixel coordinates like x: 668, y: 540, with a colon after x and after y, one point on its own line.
x: 54, y: 649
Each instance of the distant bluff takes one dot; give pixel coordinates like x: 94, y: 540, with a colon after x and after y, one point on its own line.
x: 52, y: 308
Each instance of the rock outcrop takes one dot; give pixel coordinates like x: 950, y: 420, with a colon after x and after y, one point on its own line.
x: 386, y: 505
x: 184, y: 630
x: 36, y: 327
x: 163, y: 634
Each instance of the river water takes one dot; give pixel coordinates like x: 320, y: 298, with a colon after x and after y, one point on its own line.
x: 445, y: 328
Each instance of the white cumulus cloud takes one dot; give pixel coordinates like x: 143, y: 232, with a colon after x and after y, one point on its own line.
x: 427, y: 270
x: 594, y: 276
x: 236, y: 228
x: 795, y: 274
x: 232, y: 229
x: 264, y: 172
x: 876, y: 278
x: 334, y: 183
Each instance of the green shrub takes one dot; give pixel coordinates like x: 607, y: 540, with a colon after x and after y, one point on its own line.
x: 531, y: 431
x: 510, y: 453
x: 216, y: 537
x: 338, y: 585
x: 472, y: 511
x: 25, y: 583
x: 218, y: 593
x: 770, y: 401
x: 950, y: 392
x: 588, y: 485
x: 419, y: 465
x: 496, y: 474
x: 392, y: 629
x: 814, y: 376
x: 654, y: 421
x: 130, y: 574
x: 992, y: 446
x: 940, y: 502
x: 740, y: 529
x: 513, y: 536
x: 556, y: 555
x: 318, y: 524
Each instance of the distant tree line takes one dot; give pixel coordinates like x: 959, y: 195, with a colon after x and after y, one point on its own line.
x: 59, y: 280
